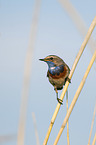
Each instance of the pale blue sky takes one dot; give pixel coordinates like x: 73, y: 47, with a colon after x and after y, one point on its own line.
x: 57, y: 35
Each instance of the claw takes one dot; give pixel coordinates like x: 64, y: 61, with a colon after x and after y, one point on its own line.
x: 60, y: 101
x: 69, y: 80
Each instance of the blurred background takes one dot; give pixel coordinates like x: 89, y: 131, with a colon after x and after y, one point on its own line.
x: 35, y: 29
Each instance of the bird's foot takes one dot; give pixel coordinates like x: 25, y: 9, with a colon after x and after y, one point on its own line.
x: 60, y: 101
x: 69, y: 80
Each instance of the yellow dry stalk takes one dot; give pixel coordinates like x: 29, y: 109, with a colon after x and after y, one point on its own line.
x: 68, y: 141
x: 91, y: 28
x: 92, y: 125
x: 94, y: 140
x: 75, y: 98
x: 78, y: 22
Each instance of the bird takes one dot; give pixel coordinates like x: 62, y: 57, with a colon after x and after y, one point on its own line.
x: 58, y: 72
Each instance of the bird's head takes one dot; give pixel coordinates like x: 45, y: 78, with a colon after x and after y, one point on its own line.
x: 53, y: 60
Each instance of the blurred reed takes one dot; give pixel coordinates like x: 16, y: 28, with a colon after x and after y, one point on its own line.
x: 92, y: 125
x: 35, y: 127
x: 27, y: 74
x: 91, y: 28
x: 75, y: 98
x: 7, y: 138
x: 68, y: 141
x: 79, y: 22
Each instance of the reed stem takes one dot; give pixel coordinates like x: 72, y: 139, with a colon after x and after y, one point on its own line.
x: 92, y: 125
x: 75, y: 98
x: 94, y: 140
x: 91, y: 28
x: 68, y: 141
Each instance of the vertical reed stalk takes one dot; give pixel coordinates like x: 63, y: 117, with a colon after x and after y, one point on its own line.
x: 68, y: 141
x: 94, y: 140
x: 92, y: 125
x: 75, y: 98
x: 91, y: 28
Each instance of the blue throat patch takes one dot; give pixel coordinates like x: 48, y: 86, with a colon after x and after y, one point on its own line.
x: 53, y: 69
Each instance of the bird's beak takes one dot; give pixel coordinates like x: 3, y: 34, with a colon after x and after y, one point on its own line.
x: 41, y: 59
x: 44, y: 59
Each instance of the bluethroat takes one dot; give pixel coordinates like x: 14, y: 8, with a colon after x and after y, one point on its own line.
x: 58, y: 72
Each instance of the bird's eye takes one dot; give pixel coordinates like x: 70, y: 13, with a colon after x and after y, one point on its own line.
x: 51, y: 58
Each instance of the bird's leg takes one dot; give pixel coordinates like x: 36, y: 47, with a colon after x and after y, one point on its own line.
x: 59, y: 100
